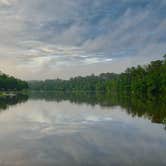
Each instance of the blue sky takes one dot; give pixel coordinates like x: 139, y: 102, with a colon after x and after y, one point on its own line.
x: 42, y: 39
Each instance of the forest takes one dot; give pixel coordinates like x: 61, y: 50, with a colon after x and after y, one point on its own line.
x: 147, y: 80
x: 9, y: 83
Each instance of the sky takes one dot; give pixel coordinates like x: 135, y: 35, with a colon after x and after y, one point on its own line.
x: 48, y: 39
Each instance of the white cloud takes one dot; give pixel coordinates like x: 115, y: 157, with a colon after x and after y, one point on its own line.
x: 7, y: 2
x: 50, y: 35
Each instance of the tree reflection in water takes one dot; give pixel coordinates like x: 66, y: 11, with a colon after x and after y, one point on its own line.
x: 7, y: 101
x: 151, y: 108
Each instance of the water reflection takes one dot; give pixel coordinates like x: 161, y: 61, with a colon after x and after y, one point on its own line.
x: 51, y: 129
x: 7, y: 101
x: 153, y: 108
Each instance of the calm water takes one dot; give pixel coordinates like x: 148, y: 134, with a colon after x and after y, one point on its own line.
x: 81, y: 130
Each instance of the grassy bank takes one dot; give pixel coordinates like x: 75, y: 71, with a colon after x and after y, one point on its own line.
x: 10, y: 94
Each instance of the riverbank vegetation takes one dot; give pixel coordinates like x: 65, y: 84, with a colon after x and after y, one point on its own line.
x: 147, y: 80
x: 9, y: 83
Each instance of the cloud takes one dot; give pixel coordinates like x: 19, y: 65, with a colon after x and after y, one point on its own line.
x: 7, y: 2
x: 50, y: 37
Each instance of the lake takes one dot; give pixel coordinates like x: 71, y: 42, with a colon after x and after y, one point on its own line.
x: 49, y: 129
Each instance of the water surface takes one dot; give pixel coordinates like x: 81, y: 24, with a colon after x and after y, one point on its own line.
x: 82, y: 130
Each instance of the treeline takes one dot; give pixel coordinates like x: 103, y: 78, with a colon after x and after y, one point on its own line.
x: 141, y: 80
x: 11, y: 83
